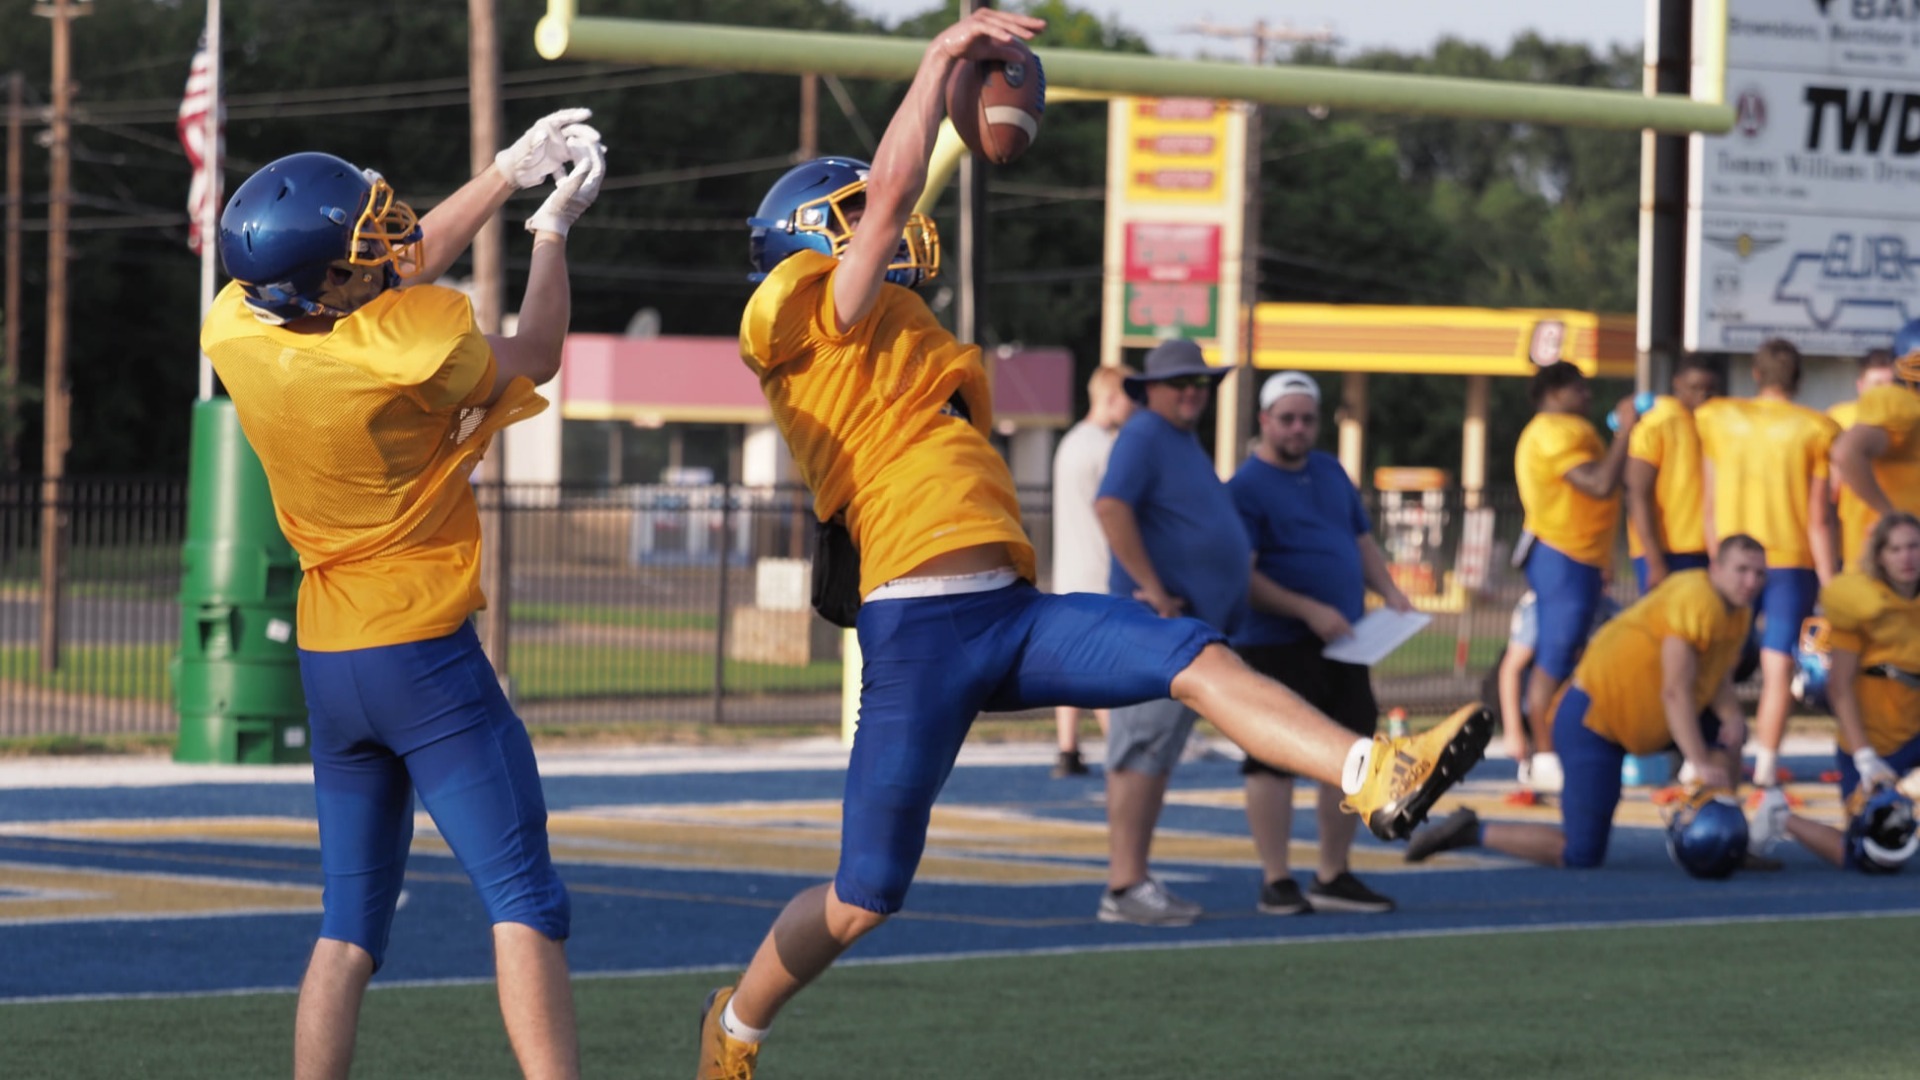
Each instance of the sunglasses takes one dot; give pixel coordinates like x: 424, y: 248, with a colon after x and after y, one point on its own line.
x: 1188, y: 382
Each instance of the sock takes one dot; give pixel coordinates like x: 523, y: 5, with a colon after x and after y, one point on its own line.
x: 735, y: 1029
x: 1353, y: 775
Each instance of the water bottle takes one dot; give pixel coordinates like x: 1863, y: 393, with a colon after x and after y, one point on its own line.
x: 1642, y: 404
x: 1396, y: 723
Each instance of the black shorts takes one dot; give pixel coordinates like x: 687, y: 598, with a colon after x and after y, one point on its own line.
x: 1342, y: 691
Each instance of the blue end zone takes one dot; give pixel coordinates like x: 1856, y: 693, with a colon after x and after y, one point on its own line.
x: 117, y: 891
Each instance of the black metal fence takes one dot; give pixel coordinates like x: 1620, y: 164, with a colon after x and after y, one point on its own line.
x: 637, y: 602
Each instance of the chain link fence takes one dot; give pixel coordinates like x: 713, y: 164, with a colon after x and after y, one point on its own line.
x: 645, y: 602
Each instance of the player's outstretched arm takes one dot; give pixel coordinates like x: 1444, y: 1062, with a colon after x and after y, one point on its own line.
x: 539, y: 153
x: 899, y: 170
x: 534, y: 348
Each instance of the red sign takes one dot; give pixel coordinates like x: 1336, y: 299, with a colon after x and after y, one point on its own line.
x: 1173, y: 253
x: 1176, y: 179
x: 1177, y: 108
x: 1176, y: 145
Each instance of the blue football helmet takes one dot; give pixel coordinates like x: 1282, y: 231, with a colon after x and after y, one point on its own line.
x: 1810, y: 678
x: 807, y: 210
x: 1880, y: 830
x: 1707, y: 835
x: 311, y: 234
x: 1906, y: 354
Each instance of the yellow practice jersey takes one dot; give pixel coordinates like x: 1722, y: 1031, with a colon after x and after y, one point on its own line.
x: 1866, y: 617
x: 368, y: 433
x: 1567, y: 520
x: 1765, y: 456
x: 1621, y: 668
x: 1896, y: 411
x: 865, y: 414
x: 1665, y: 439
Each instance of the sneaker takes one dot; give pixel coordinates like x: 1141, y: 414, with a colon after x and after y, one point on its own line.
x: 1407, y: 774
x: 1282, y: 896
x: 1457, y: 830
x: 1069, y: 764
x: 1147, y: 904
x: 722, y: 1057
x: 1769, y: 822
x: 1346, y: 893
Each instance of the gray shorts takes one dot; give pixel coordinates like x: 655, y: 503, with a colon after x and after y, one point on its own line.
x: 1148, y: 738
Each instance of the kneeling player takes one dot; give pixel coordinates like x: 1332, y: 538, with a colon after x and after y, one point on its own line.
x: 1689, y: 630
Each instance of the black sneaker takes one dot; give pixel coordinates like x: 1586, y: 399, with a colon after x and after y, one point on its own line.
x: 1069, y: 764
x: 1281, y: 896
x: 1457, y: 830
x: 1346, y: 893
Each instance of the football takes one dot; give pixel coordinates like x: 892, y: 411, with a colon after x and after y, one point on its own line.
x: 996, y: 107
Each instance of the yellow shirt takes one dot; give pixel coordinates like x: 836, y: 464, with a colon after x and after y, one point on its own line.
x: 1567, y: 520
x: 1765, y: 455
x: 1896, y: 411
x: 1665, y: 439
x: 862, y: 414
x: 368, y: 433
x: 1621, y: 668
x: 1868, y: 618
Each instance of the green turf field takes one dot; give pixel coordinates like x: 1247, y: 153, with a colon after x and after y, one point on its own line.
x: 1790, y: 1000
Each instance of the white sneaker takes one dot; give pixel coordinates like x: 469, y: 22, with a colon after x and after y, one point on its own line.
x: 1769, y: 823
x: 1147, y: 904
x: 1547, y: 777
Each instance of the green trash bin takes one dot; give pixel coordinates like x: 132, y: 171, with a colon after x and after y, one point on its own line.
x: 236, y: 678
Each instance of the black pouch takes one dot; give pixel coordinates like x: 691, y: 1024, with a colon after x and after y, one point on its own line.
x: 836, y: 573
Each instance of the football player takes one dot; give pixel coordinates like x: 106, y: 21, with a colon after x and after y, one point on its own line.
x: 370, y: 394
x: 1689, y: 631
x: 1766, y: 477
x: 1877, y: 455
x: 1664, y: 480
x: 889, y: 420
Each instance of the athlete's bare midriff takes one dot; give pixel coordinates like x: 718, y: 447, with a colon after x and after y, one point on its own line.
x: 967, y: 560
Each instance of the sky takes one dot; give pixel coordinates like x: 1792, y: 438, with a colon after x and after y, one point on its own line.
x: 1407, y: 25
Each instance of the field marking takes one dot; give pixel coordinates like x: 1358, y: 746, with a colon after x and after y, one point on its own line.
x: 1062, y: 950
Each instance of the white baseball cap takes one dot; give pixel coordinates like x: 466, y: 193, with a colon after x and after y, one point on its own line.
x: 1283, y: 383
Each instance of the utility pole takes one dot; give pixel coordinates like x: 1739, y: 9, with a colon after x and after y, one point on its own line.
x: 970, y: 309
x: 10, y: 312
x: 489, y: 291
x: 809, y: 118
x: 54, y: 446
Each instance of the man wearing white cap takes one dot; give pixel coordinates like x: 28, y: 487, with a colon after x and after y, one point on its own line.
x: 1314, y: 557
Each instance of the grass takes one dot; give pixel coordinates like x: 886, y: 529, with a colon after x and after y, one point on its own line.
x: 544, y: 671
x: 535, y: 613
x: 1429, y: 653
x: 1757, y: 1001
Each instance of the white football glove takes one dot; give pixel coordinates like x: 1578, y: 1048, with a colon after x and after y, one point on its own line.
x: 541, y: 152
x: 1874, y: 770
x: 1547, y: 775
x: 577, y: 189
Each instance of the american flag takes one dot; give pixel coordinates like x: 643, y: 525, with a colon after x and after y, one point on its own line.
x: 203, y: 194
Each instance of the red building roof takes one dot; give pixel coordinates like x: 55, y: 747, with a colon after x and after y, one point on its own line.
x: 700, y: 380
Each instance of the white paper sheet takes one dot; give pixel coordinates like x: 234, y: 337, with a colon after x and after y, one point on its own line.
x: 1375, y: 636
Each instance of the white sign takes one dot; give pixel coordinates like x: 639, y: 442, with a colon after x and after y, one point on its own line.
x: 1834, y: 286
x: 1804, y: 220
x: 1859, y: 37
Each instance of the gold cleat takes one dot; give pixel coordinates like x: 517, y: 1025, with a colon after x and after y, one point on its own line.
x: 1406, y: 775
x: 722, y: 1057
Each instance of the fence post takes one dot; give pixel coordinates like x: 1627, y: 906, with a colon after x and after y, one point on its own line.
x: 720, y: 623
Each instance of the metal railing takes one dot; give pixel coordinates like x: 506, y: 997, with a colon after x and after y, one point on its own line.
x: 640, y: 602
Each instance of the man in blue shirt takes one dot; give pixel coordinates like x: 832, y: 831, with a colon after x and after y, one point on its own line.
x: 1171, y: 526
x: 1314, y: 559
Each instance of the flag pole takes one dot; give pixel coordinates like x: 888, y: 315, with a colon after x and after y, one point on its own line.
x: 211, y: 153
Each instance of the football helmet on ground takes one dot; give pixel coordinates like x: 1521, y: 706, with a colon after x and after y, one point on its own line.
x: 1906, y: 354
x: 1880, y: 830
x: 1707, y: 834
x: 1812, y: 665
